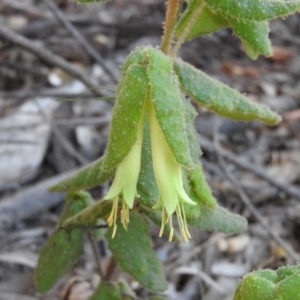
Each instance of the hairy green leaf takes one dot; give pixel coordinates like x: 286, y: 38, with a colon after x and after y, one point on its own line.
x: 165, y: 95
x: 254, y: 287
x: 206, y: 22
x: 128, y: 110
x: 85, y: 178
x: 133, y: 251
x: 203, y: 193
x: 288, y: 288
x: 286, y: 271
x: 254, y: 9
x: 220, y: 98
x: 146, y: 186
x: 250, y: 50
x: 107, y: 291
x: 252, y: 33
x: 218, y: 219
x: 89, y: 216
x: 282, y: 284
x: 192, y: 135
x: 62, y: 249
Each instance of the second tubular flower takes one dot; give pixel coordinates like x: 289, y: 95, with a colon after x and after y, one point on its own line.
x: 168, y: 176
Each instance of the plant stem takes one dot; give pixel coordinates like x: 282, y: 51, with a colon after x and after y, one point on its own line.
x: 187, y: 29
x: 173, y: 9
x: 110, y: 269
x: 94, y: 248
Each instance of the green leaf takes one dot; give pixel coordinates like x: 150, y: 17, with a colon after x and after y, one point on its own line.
x: 254, y: 9
x: 83, y: 196
x: 202, y: 191
x: 250, y: 51
x: 207, y: 21
x: 220, y: 98
x: 85, y: 178
x: 133, y: 251
x: 286, y: 271
x: 218, y: 219
x: 146, y: 186
x: 107, y: 291
x: 192, y: 135
x: 254, y: 34
x: 289, y: 288
x: 254, y: 287
x: 89, y: 216
x: 166, y: 97
x: 282, y: 284
x: 126, y: 290
x: 61, y: 250
x: 128, y: 110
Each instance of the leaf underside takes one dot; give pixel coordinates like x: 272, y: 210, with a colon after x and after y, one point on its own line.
x: 248, y: 19
x: 220, y: 98
x: 107, y: 291
x: 85, y: 178
x: 62, y: 249
x: 133, y: 252
x: 218, y: 219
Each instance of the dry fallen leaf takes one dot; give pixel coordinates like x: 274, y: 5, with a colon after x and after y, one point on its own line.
x: 233, y: 244
x: 235, y: 69
x: 77, y: 289
x: 281, y: 54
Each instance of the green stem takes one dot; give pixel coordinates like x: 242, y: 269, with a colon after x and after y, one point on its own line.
x: 173, y: 10
x: 187, y: 29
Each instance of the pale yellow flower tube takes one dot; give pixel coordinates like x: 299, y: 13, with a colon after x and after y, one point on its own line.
x: 125, y: 181
x: 168, y: 176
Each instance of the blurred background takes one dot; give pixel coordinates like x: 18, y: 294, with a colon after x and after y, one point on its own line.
x: 44, y: 136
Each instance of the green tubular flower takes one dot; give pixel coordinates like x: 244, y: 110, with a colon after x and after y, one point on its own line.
x: 125, y: 181
x: 168, y: 176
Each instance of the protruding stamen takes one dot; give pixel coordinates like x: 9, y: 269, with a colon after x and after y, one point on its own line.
x: 180, y: 212
x: 162, y: 227
x: 125, y: 214
x: 114, y: 231
x: 113, y: 216
x: 171, y: 229
x: 185, y: 222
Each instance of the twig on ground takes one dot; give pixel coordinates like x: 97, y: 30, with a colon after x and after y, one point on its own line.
x: 62, y: 139
x: 60, y: 122
x: 54, y: 93
x: 288, y: 189
x: 110, y: 269
x: 31, y: 201
x: 247, y: 202
x: 23, y: 6
x: 95, y: 251
x: 80, y: 38
x: 23, y: 94
x: 49, y: 57
x: 17, y: 141
x: 69, y: 147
